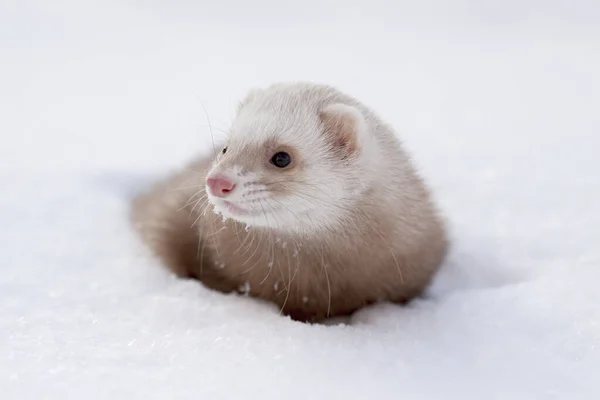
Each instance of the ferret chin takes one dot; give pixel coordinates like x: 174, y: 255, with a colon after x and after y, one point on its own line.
x: 312, y: 203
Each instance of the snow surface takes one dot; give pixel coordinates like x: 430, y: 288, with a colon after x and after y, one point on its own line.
x: 499, y: 103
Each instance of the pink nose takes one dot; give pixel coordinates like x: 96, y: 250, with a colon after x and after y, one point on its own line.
x: 219, y: 186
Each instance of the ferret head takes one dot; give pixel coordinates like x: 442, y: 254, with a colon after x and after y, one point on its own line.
x: 296, y: 159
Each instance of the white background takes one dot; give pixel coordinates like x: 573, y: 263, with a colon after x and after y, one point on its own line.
x: 499, y: 102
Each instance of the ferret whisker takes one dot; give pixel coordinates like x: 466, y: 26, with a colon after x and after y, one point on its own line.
x: 288, y: 286
x: 320, y: 200
x: 250, y: 257
x: 242, y: 244
x: 195, y: 201
x: 291, y: 277
x: 200, y: 214
x: 284, y: 206
x: 259, y: 258
x: 270, y: 254
x: 224, y: 131
x: 191, y: 198
x: 223, y: 123
x: 221, y: 229
x: 328, y: 290
x: 254, y: 234
x: 212, y: 137
x: 392, y: 254
x: 324, y: 269
x: 281, y: 273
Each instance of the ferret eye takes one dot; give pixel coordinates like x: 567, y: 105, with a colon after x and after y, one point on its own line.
x: 281, y: 159
x: 224, y: 150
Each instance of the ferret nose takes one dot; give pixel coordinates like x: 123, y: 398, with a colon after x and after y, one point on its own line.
x: 219, y: 186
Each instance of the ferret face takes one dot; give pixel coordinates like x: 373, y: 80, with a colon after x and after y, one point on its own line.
x: 289, y: 168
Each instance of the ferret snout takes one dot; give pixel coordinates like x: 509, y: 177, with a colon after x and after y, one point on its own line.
x: 220, y: 186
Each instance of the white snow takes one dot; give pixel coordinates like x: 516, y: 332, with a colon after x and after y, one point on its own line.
x: 499, y: 102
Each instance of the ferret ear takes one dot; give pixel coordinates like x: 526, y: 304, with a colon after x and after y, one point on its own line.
x: 249, y: 96
x: 345, y: 127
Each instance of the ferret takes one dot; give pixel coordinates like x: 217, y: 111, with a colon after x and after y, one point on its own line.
x: 311, y: 203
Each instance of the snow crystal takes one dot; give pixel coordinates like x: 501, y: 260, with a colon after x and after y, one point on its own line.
x: 245, y: 288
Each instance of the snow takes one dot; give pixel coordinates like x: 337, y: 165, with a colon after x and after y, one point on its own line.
x: 497, y: 101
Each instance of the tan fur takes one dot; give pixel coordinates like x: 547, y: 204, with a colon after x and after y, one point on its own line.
x: 377, y: 257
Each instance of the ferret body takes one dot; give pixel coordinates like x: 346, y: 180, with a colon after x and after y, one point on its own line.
x: 312, y: 204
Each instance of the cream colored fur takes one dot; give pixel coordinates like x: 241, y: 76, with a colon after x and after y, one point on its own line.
x: 348, y: 224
